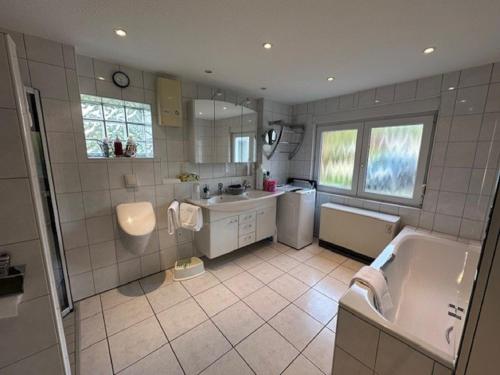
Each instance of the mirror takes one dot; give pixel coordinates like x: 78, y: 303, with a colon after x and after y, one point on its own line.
x: 221, y: 132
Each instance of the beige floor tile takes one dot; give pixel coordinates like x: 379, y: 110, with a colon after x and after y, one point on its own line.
x: 266, y: 351
x: 161, y: 361
x: 314, y: 249
x: 320, y: 350
x: 181, y: 318
x: 247, y: 261
x: 302, y: 366
x: 127, y: 314
x: 289, y: 287
x: 322, y: 264
x: 296, y: 326
x: 266, y: 302
x: 265, y: 272
x: 266, y: 252
x: 237, y: 322
x: 333, y: 256
x: 136, y: 342
x: 157, y: 281
x: 307, y: 274
x: 319, y: 306
x: 167, y: 296
x: 243, y: 284
x: 353, y: 264
x: 224, y: 270
x: 284, y: 262
x: 343, y: 274
x: 231, y: 363
x: 121, y: 295
x: 216, y: 299
x: 331, y: 287
x: 300, y: 255
x: 95, y: 360
x: 200, y: 347
x: 88, y: 307
x: 200, y: 283
x: 332, y: 325
x: 90, y: 331
x: 281, y: 247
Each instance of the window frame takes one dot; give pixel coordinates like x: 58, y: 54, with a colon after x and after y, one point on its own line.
x: 362, y: 152
x: 126, y: 123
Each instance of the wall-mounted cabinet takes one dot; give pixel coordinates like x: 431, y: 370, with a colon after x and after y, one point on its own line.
x: 221, y: 132
x: 169, y: 102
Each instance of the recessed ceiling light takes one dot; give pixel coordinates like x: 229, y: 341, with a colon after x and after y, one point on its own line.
x: 429, y: 50
x: 121, y: 32
x: 451, y: 88
x: 224, y: 108
x: 101, y: 78
x: 463, y: 101
x: 267, y: 45
x: 330, y: 79
x: 377, y: 101
x: 208, y: 71
x: 200, y: 113
x: 263, y: 88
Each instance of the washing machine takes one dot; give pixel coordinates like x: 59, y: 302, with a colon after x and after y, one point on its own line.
x: 296, y: 213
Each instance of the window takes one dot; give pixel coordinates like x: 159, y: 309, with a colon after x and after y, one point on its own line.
x: 111, y: 118
x: 382, y: 160
x: 243, y: 147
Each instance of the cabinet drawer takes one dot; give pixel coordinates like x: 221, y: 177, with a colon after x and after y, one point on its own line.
x: 247, y: 239
x: 248, y: 217
x: 247, y: 227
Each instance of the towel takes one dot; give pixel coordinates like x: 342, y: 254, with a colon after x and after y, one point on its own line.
x: 375, y: 280
x: 173, y: 217
x: 191, y: 217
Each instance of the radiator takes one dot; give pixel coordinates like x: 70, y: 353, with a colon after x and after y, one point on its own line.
x: 357, y: 230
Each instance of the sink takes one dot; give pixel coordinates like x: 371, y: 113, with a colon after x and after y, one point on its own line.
x: 234, y: 203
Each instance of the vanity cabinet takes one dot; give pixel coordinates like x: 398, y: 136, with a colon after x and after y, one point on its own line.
x: 223, y: 232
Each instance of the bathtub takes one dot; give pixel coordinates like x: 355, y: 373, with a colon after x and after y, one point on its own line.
x: 430, y: 276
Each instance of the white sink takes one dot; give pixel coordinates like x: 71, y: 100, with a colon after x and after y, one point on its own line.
x: 234, y: 203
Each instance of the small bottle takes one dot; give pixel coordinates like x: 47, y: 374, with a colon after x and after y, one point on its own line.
x: 105, y: 147
x: 131, y: 148
x: 195, y: 194
x: 118, y: 147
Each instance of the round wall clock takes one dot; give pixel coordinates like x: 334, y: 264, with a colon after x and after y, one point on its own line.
x: 120, y: 79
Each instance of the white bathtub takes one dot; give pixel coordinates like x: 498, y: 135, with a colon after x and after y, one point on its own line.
x: 426, y: 273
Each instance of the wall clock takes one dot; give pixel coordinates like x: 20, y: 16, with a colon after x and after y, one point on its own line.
x: 120, y: 79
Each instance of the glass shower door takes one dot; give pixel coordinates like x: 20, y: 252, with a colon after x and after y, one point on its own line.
x: 39, y: 143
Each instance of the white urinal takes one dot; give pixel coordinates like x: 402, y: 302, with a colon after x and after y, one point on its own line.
x: 137, y: 221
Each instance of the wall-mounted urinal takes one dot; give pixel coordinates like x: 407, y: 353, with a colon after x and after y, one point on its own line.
x: 137, y: 221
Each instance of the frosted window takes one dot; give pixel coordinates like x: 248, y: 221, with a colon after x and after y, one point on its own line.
x: 111, y: 118
x: 338, y: 151
x: 241, y: 149
x: 393, y: 160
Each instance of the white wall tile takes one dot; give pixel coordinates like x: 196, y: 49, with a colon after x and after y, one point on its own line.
x: 97, y: 203
x: 61, y: 147
x: 490, y: 129
x: 465, y: 128
x: 456, y: 179
x: 405, y: 91
x: 12, y: 151
x: 99, y: 229
x: 74, y: 234
x: 478, y: 75
x: 106, y: 278
x: 49, y: 79
x: 366, y: 98
x: 44, y: 50
x: 94, y: 176
x: 82, y: 286
x: 460, y: 154
x: 135, y: 76
x: 129, y: 270
x: 450, y: 81
x: 57, y: 115
x: 493, y: 103
x: 487, y: 155
x: 85, y: 66
x: 471, y: 229
x: 108, y: 89
x: 476, y: 207
x: 45, y: 362
x: 69, y: 56
x: 471, y: 100
x: 395, y: 357
x: 385, y: 94
x: 429, y: 87
x: 78, y: 260
x: 447, y: 224
x: 66, y: 177
x: 87, y: 85
x: 345, y: 364
x: 70, y: 207
x: 102, y: 254
x: 482, y: 181
x: 6, y: 93
x: 451, y: 203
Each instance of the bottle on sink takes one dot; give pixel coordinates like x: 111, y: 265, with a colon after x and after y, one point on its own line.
x: 205, y: 192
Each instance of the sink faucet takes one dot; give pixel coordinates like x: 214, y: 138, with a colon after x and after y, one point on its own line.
x: 246, y: 185
x: 220, y: 185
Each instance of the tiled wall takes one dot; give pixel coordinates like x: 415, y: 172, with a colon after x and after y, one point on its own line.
x: 28, y: 341
x: 361, y: 348
x: 279, y: 164
x: 465, y: 154
x: 88, y: 190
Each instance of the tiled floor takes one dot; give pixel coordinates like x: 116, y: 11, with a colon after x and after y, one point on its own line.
x: 264, y: 309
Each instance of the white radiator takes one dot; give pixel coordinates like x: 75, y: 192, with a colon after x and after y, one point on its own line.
x: 362, y: 231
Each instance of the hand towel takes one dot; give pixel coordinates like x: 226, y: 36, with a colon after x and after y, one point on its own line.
x: 173, y: 217
x: 374, y: 279
x: 191, y: 217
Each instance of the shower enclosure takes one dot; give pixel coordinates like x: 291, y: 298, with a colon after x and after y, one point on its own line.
x: 39, y: 143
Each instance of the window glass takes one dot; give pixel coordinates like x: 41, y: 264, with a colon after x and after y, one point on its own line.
x: 338, y: 152
x: 393, y: 160
x: 110, y: 118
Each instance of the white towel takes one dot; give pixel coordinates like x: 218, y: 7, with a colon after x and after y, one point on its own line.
x: 375, y: 280
x: 173, y: 217
x: 191, y: 217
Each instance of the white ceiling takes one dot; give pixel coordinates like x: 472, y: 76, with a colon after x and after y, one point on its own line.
x: 363, y: 43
